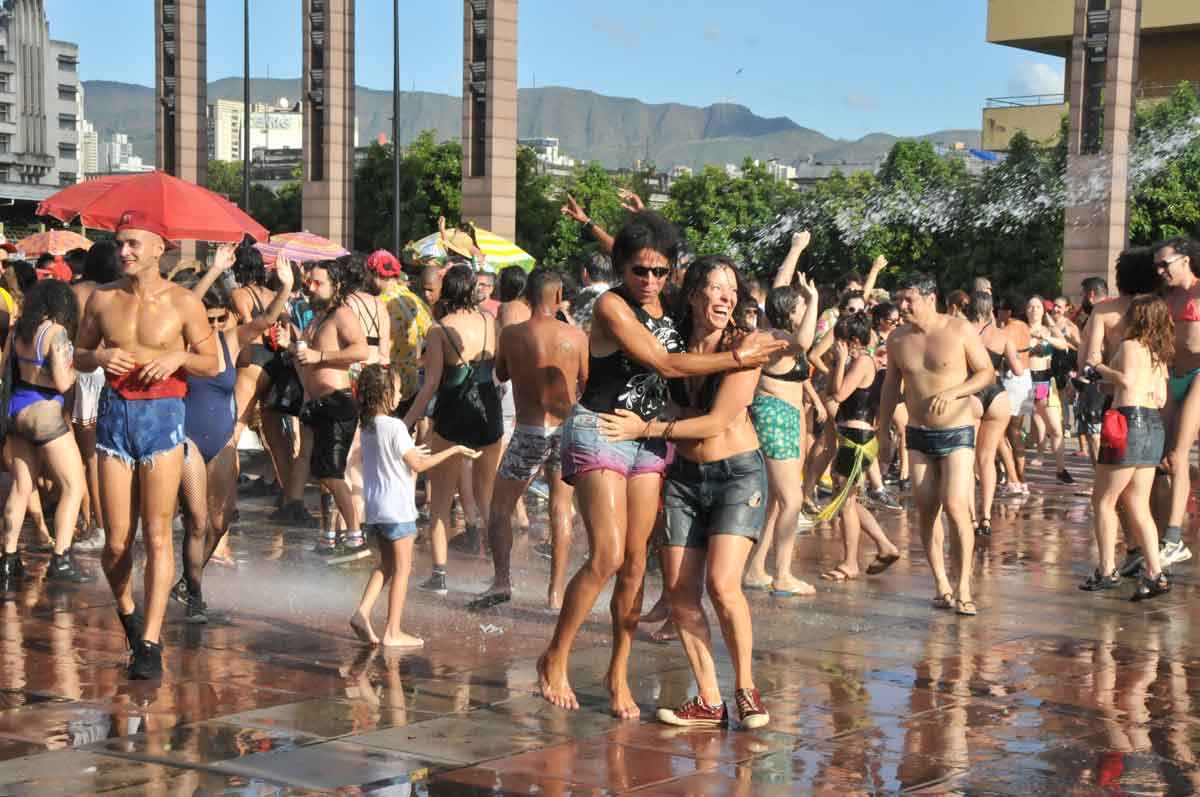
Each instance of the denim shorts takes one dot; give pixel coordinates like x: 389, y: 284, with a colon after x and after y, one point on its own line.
x: 136, y: 431
x: 584, y: 450
x: 728, y: 496
x: 1145, y: 441
x: 939, y: 443
x: 391, y: 531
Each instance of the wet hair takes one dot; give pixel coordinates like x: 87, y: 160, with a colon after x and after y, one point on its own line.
x: 781, y: 303
x: 103, y: 263
x: 854, y: 327
x: 599, y: 267
x: 958, y: 299
x: 647, y: 230
x: 1184, y: 246
x: 24, y: 275
x: 248, y: 268
x: 1010, y: 302
x: 882, y: 312
x: 1149, y: 322
x: 374, y: 392
x: 458, y: 289
x: 695, y: 281
x: 539, y: 280
x: 511, y: 283
x: 845, y: 280
x: 48, y: 300
x: 340, y: 271
x: 848, y: 297
x: 982, y: 307
x: 76, y: 259
x: 1094, y: 285
x: 1136, y: 272
x: 924, y: 283
x: 44, y: 260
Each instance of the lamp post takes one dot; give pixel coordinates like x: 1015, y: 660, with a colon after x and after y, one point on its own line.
x: 396, y: 242
x: 246, y: 106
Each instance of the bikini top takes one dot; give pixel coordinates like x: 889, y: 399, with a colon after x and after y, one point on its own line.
x: 40, y: 338
x: 372, y: 318
x: 455, y: 375
x: 1190, y: 311
x: 799, y: 372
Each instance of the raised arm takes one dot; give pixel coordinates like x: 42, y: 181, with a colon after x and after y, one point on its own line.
x: 221, y: 263
x: 573, y: 210
x: 808, y: 324
x: 247, y: 332
x: 877, y: 267
x: 787, y: 269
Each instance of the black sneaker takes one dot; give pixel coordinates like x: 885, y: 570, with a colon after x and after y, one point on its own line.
x: 294, y: 514
x: 11, y: 566
x: 134, y: 625
x: 146, y: 664
x: 1151, y: 587
x: 63, y: 569
x: 904, y: 484
x: 435, y: 584
x: 327, y: 545
x: 197, y: 611
x: 467, y: 542
x: 1065, y: 477
x: 1132, y: 564
x: 179, y: 591
x: 1098, y: 581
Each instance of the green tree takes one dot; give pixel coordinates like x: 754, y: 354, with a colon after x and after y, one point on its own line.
x: 537, y: 210
x: 1166, y: 169
x: 225, y: 178
x: 566, y: 242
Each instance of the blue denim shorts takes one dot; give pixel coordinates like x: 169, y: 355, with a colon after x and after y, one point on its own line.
x: 584, y: 450
x: 391, y: 531
x: 706, y: 498
x: 136, y: 431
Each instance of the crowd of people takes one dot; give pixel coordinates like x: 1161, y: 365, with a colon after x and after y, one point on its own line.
x: 673, y: 404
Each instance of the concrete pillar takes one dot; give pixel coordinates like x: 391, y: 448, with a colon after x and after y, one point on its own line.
x: 181, y: 94
x: 1097, y: 215
x: 328, y: 86
x: 490, y: 115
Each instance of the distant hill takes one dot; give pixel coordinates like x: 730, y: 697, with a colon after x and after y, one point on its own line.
x: 591, y: 127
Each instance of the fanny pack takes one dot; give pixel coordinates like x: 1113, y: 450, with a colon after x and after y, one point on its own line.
x: 1114, y: 438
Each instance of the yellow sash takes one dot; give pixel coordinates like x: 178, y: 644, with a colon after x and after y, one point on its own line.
x: 864, y: 454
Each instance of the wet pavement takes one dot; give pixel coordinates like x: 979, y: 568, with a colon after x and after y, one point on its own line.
x: 1048, y: 691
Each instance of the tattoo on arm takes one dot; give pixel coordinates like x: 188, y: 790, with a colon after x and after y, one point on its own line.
x: 61, y: 348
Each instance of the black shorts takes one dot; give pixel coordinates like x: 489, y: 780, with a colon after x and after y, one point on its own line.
x: 334, y: 420
x: 939, y: 443
x: 988, y: 395
x: 843, y: 461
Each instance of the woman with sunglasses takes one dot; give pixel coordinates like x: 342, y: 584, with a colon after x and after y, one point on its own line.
x: 634, y: 348
x: 210, y: 464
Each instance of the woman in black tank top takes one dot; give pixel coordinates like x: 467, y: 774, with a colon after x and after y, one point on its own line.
x: 633, y: 348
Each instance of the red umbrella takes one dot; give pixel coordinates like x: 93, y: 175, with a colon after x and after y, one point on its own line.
x: 176, y: 209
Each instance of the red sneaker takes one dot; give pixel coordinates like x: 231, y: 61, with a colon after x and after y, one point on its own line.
x: 751, y: 711
x: 695, y: 713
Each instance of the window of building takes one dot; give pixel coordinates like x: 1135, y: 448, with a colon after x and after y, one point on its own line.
x: 4, y: 174
x: 66, y: 151
x: 4, y: 87
x: 5, y: 143
x: 66, y: 63
x: 67, y: 178
x: 66, y: 121
x: 6, y: 112
x: 66, y: 92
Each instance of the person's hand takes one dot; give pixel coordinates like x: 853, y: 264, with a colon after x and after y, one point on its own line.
x: 162, y: 366
x: 801, y: 240
x: 469, y: 453
x: 442, y: 225
x: 117, y: 362
x: 225, y: 257
x: 283, y: 270
x: 879, y: 264
x: 819, y: 409
x: 283, y: 334
x: 842, y: 349
x: 941, y: 402
x: 631, y: 201
x: 759, y: 348
x: 621, y: 426
x: 573, y: 210
x: 308, y: 356
x: 807, y: 288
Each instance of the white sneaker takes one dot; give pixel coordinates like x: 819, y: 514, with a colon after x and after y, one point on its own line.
x: 1171, y: 553
x: 92, y: 542
x: 805, y: 522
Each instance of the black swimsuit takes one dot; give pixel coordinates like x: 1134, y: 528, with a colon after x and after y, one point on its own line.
x: 372, y: 319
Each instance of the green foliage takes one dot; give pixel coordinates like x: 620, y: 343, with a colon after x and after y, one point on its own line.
x: 1167, y: 202
x: 277, y: 211
x: 537, y: 212
x: 430, y: 186
x: 567, y: 243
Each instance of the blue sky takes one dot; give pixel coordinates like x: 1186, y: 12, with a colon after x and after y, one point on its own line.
x: 845, y: 68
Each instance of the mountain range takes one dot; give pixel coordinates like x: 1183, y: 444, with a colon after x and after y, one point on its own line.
x: 590, y: 126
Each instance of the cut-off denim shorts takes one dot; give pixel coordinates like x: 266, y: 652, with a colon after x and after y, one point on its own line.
x: 136, y: 431
x: 584, y: 450
x: 702, y: 499
x: 391, y: 531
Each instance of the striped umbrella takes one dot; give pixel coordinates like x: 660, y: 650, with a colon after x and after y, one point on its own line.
x: 300, y: 247
x: 56, y: 242
x: 500, y: 252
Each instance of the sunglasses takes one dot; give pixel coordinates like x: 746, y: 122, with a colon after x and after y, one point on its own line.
x: 1164, y: 263
x: 218, y: 319
x: 646, y: 271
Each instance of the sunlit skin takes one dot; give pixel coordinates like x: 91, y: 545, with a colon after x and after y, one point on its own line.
x: 1182, y: 418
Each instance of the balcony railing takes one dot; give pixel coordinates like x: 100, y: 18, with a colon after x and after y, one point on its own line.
x: 1160, y: 91
x: 1026, y: 101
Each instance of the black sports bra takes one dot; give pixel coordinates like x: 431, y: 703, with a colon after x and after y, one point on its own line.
x: 372, y: 319
x: 799, y: 372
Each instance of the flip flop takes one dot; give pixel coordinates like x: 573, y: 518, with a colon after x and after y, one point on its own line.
x: 837, y: 574
x: 882, y: 563
x: 965, y: 608
x: 488, y: 601
x: 764, y: 586
x: 944, y: 601
x: 789, y: 593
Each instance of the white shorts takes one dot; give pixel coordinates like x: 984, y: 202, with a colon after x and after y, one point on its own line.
x: 1020, y: 394
x: 88, y: 385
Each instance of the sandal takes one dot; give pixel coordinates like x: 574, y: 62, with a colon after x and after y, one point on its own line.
x: 965, y: 608
x: 1151, y: 587
x: 944, y: 601
x: 882, y: 563
x: 984, y: 529
x: 764, y: 585
x: 837, y: 574
x: 1098, y: 581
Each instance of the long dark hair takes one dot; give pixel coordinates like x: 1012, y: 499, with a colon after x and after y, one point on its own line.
x: 458, y: 289
x: 694, y: 281
x: 1150, y: 323
x: 48, y: 300
x: 248, y: 268
x: 374, y: 393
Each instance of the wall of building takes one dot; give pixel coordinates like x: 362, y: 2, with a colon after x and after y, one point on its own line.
x: 1047, y: 25
x: 1042, y: 123
x: 1168, y: 58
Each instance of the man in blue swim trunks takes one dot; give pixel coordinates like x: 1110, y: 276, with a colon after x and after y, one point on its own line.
x: 148, y: 335
x: 942, y: 363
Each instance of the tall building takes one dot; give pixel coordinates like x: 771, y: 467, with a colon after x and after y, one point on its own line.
x: 277, y: 126
x: 116, y: 156
x: 89, y: 148
x: 41, y: 104
x: 1169, y: 52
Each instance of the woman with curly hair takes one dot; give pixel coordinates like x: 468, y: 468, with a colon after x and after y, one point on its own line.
x: 1131, y: 444
x: 41, y: 365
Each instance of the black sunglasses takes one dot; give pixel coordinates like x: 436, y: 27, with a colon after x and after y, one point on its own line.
x: 646, y: 271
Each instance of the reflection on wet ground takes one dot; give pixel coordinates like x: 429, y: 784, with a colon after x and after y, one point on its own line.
x: 1048, y: 691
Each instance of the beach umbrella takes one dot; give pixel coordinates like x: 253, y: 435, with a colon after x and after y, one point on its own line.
x: 300, y: 247
x: 178, y: 210
x: 500, y: 252
x: 56, y: 242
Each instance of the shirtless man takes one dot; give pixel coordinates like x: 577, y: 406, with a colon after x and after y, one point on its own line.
x: 148, y: 334
x: 942, y: 364
x: 431, y: 286
x: 1178, y: 260
x: 330, y: 345
x: 547, y: 362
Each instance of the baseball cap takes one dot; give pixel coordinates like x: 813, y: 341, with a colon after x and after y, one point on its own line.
x: 141, y: 220
x: 56, y: 269
x: 383, y: 263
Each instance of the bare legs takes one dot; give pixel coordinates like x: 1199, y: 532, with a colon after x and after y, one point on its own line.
x: 85, y: 438
x: 786, y: 494
x: 946, y: 483
x: 991, y: 437
x: 393, y: 565
x: 1130, y: 486
x: 1052, y: 420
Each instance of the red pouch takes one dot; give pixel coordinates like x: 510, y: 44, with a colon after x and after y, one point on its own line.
x: 1114, y: 438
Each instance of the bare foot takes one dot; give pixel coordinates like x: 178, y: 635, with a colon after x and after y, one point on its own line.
x: 658, y: 612
x: 554, y: 685
x: 361, y: 626
x: 666, y: 633
x: 402, y: 641
x: 621, y: 703
x: 793, y: 586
